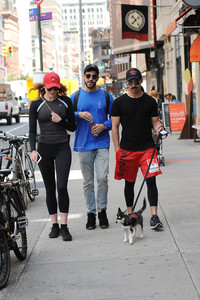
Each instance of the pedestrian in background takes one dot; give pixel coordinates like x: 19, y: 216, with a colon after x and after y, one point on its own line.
x: 168, y: 97
x: 54, y: 112
x: 174, y: 100
x: 154, y: 94
x: 136, y: 112
x: 92, y: 142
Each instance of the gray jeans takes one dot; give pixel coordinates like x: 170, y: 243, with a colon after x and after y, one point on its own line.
x: 97, y: 159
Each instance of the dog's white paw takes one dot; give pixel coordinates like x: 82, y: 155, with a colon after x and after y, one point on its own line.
x: 141, y: 236
x: 125, y: 241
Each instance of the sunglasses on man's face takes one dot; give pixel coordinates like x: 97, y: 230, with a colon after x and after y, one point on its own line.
x: 53, y: 88
x: 93, y: 76
x: 133, y: 82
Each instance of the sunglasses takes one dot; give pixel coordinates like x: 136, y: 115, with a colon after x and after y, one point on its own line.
x: 53, y: 88
x: 93, y: 76
x: 133, y: 82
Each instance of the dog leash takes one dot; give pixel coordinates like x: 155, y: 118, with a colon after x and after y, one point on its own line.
x: 156, y: 144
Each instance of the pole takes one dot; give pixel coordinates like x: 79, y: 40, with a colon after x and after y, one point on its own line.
x: 81, y: 40
x: 40, y: 37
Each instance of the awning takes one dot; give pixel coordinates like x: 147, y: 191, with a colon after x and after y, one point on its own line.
x: 173, y: 25
x: 195, y: 50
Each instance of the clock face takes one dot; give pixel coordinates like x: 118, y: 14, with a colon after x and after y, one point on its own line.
x: 192, y: 3
x: 135, y: 20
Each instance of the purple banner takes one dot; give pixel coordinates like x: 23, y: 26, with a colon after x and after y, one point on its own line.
x: 43, y: 16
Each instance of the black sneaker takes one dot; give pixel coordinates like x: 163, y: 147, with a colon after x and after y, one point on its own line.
x: 64, y: 231
x: 103, y: 221
x: 55, y: 232
x: 155, y: 223
x: 91, y: 221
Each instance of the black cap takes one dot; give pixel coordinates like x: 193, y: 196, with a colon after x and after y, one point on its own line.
x: 91, y: 67
x: 133, y: 73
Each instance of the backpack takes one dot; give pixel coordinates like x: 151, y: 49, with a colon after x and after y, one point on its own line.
x: 77, y: 96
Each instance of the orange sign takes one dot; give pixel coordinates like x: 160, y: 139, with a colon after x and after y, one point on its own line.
x: 177, y: 116
x: 194, y: 50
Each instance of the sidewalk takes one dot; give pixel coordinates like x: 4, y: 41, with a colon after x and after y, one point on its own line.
x: 97, y: 264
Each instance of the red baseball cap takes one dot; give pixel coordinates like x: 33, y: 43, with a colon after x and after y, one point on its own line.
x: 51, y: 80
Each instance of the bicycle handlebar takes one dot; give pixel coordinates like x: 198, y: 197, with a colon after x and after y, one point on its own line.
x: 13, y: 138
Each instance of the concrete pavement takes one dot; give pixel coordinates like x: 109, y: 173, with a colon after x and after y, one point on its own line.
x: 97, y: 264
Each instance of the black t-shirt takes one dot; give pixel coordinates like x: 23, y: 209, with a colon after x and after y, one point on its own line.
x: 135, y: 117
x: 51, y: 132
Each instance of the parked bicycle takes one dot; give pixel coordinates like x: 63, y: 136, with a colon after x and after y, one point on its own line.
x: 19, y: 161
x: 13, y: 223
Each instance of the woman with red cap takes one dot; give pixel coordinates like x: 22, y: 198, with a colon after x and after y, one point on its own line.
x: 54, y: 112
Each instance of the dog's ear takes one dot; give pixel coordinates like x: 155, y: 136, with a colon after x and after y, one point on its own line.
x: 119, y: 210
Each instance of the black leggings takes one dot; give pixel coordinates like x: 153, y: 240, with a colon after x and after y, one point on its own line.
x: 152, y: 192
x: 55, y: 156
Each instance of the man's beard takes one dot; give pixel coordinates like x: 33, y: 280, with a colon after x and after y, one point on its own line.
x: 90, y: 86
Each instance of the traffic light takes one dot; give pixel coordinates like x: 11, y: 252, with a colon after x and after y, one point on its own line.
x: 5, y: 51
x: 10, y: 51
x: 88, y: 57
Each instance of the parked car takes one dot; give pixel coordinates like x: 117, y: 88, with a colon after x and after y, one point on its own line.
x: 8, y: 105
x: 24, y: 105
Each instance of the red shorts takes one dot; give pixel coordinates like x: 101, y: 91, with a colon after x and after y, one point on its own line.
x: 128, y: 162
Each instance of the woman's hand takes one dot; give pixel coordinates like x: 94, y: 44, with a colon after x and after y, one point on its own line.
x: 34, y: 156
x: 55, y: 117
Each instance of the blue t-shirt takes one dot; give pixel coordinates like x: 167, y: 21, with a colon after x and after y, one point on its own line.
x: 95, y: 103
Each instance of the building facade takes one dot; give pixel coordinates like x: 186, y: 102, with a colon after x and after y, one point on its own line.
x: 94, y: 15
x: 11, y: 39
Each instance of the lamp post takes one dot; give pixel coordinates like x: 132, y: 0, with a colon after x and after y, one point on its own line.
x: 81, y: 41
x: 38, y: 2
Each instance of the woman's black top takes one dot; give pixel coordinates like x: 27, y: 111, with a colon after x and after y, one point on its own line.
x: 51, y: 132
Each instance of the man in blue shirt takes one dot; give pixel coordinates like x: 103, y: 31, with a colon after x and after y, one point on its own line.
x: 92, y: 141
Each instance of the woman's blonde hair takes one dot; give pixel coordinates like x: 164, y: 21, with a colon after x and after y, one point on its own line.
x: 41, y: 90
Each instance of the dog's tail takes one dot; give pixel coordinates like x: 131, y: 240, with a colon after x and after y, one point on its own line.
x: 143, y: 207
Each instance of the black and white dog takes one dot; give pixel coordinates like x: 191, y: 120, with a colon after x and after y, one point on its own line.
x: 130, y: 223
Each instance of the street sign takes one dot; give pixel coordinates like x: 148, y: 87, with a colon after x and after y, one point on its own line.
x: 32, y: 11
x: 37, y: 1
x: 43, y: 16
x: 46, y: 23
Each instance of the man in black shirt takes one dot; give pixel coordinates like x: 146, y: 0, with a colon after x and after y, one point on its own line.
x: 136, y: 112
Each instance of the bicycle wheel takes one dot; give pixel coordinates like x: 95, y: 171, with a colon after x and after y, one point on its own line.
x: 18, y: 217
x: 4, y: 260
x: 23, y: 188
x: 30, y: 178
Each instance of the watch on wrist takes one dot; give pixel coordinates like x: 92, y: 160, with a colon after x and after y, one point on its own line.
x: 105, y: 127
